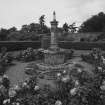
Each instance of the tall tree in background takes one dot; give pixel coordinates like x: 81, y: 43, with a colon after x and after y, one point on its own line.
x: 13, y: 29
x: 73, y: 27
x: 42, y: 22
x: 94, y: 24
x: 25, y: 28
x: 70, y: 28
x: 3, y: 34
x: 44, y: 28
x: 65, y: 27
x: 34, y: 27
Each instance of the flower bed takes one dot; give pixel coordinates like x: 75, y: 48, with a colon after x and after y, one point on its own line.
x: 95, y: 57
x: 76, y: 87
x: 5, y: 60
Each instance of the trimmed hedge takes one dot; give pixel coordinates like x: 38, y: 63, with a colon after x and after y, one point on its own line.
x: 81, y: 45
x: 19, y: 45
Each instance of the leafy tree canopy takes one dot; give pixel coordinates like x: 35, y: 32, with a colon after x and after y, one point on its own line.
x: 3, y: 34
x: 69, y: 28
x: 94, y: 24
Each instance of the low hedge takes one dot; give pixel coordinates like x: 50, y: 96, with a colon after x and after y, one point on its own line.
x: 81, y: 45
x: 21, y: 45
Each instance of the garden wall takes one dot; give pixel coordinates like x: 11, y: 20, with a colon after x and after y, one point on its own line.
x: 12, y: 46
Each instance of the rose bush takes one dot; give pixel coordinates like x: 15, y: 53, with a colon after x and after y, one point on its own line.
x: 94, y: 57
x: 29, y: 54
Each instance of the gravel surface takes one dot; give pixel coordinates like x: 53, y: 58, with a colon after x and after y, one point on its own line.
x: 16, y: 73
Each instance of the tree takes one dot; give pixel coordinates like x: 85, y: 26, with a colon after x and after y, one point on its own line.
x: 15, y: 36
x: 25, y: 28
x: 34, y: 27
x: 69, y: 28
x: 13, y: 29
x: 3, y: 34
x: 73, y: 27
x: 65, y: 27
x: 42, y: 21
x: 94, y: 24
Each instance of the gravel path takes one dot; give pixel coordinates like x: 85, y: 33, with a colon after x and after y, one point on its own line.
x: 16, y: 73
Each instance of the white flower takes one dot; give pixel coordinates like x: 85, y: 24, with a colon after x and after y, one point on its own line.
x: 13, y: 103
x: 102, y: 87
x: 5, y: 76
x: 16, y: 87
x: 24, y: 84
x: 73, y: 91
x: 1, y: 79
x: 17, y: 103
x: 65, y: 79
x: 58, y: 74
x: 95, y: 56
x: 99, y: 68
x: 58, y: 102
x: 12, y: 93
x: 64, y: 71
x: 76, y: 83
x: 103, y: 82
x: 103, y: 59
x: 36, y: 88
x: 74, y: 63
x: 6, y: 101
x: 79, y: 70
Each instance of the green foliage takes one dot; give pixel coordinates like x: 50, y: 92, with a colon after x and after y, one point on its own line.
x: 94, y: 57
x: 13, y: 29
x: 27, y: 55
x: 30, y: 54
x: 23, y: 36
x: 5, y: 60
x: 3, y: 34
x: 101, y: 37
x: 42, y: 21
x: 75, y: 86
x: 43, y: 27
x: 81, y: 45
x: 69, y: 28
x: 94, y: 24
x: 65, y: 27
x: 27, y: 32
x: 73, y: 27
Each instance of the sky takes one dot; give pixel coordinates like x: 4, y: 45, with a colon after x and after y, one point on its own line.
x: 20, y: 12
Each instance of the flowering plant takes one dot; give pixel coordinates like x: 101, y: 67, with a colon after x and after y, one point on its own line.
x: 27, y: 55
x: 94, y: 57
x: 30, y: 54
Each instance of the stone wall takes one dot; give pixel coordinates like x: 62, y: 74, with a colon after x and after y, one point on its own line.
x: 54, y: 59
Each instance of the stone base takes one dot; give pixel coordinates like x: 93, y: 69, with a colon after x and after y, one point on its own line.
x: 45, y: 67
x: 54, y: 57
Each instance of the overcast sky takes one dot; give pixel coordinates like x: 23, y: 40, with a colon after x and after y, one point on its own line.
x: 20, y: 12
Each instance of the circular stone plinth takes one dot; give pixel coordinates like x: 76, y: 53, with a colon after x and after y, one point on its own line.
x: 46, y: 67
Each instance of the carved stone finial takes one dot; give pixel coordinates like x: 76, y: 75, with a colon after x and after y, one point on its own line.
x: 54, y: 15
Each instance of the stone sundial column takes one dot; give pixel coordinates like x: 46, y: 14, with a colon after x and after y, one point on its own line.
x: 54, y: 25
